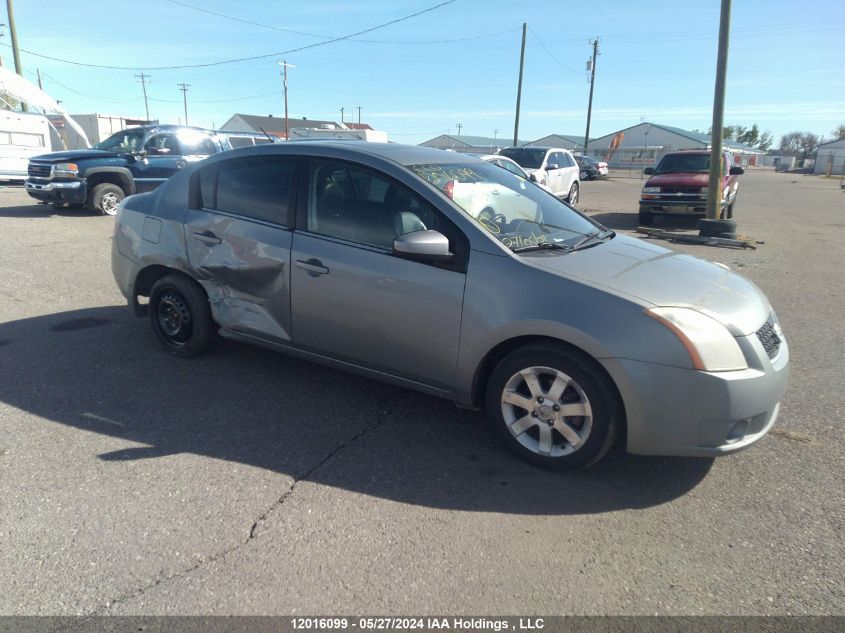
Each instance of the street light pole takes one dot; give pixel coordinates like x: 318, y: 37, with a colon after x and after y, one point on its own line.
x: 714, y: 186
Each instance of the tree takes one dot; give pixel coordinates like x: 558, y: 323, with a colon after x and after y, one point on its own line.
x: 838, y: 133
x: 799, y: 143
x: 765, y: 141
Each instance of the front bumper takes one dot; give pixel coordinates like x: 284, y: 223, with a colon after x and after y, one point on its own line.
x: 58, y: 192
x: 676, y: 207
x: 684, y: 412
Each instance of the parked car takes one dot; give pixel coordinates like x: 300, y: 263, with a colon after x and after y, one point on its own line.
x: 512, y: 166
x: 134, y: 160
x: 354, y: 255
x: 591, y: 168
x: 556, y: 168
x: 679, y: 184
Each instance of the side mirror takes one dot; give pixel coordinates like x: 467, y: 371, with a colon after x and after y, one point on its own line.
x: 532, y: 177
x: 551, y: 166
x: 423, y: 245
x: 737, y: 171
x: 648, y: 171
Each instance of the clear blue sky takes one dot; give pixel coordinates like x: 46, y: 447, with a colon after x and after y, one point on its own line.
x: 456, y: 64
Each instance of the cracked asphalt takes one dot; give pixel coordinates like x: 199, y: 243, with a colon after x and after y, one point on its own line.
x: 247, y: 482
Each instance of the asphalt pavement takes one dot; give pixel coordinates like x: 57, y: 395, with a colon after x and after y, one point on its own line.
x: 247, y: 482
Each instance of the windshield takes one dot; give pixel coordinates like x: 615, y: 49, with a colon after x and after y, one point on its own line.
x: 686, y: 163
x: 515, y: 211
x: 527, y: 157
x: 124, y: 141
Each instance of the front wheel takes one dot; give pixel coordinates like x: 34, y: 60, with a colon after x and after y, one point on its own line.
x: 553, y: 407
x: 572, y: 198
x: 105, y: 198
x: 180, y: 315
x: 646, y: 218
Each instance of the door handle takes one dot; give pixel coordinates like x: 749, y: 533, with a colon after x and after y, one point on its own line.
x: 208, y: 237
x: 180, y: 164
x: 314, y: 267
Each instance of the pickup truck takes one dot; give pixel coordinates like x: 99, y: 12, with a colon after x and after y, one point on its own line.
x: 679, y: 183
x: 134, y: 160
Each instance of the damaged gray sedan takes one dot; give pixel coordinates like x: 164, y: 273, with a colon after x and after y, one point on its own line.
x: 449, y: 275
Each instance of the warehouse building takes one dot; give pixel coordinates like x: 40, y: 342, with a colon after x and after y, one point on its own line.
x: 644, y: 144
x: 571, y: 142
x: 830, y: 158
x: 471, y: 144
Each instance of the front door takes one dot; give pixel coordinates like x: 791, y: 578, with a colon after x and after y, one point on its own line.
x: 239, y: 240
x: 162, y: 160
x: 352, y: 298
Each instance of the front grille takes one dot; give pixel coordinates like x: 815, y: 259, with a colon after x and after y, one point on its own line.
x: 769, y: 337
x: 681, y: 193
x: 40, y: 170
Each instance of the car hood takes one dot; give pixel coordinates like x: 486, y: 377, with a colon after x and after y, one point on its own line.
x: 76, y: 154
x: 657, y: 276
x: 679, y: 180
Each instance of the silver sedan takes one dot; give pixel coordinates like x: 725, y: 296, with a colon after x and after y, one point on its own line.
x: 449, y: 275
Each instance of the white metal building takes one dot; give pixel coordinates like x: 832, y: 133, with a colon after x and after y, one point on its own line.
x: 830, y: 158
x: 572, y: 142
x: 471, y: 144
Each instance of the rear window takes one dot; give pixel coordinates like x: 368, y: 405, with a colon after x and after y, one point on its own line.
x: 527, y: 157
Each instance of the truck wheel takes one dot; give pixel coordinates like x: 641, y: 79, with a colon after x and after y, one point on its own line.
x: 105, y: 197
x: 180, y: 315
x: 646, y: 217
x: 553, y: 408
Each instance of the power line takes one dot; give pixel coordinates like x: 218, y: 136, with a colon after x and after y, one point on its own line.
x: 244, y: 59
x: 329, y: 37
x: 554, y: 57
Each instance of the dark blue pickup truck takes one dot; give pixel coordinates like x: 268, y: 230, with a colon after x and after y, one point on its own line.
x: 131, y: 161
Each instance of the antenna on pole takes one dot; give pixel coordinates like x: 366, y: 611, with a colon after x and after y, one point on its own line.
x: 184, y: 88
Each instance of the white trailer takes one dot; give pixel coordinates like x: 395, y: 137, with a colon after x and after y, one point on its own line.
x: 22, y: 135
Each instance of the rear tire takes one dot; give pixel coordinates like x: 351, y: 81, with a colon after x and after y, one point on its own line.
x: 553, y: 407
x: 574, y: 190
x: 646, y: 217
x: 180, y: 316
x: 105, y: 198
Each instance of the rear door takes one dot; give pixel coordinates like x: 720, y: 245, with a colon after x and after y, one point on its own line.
x: 239, y: 238
x: 352, y: 298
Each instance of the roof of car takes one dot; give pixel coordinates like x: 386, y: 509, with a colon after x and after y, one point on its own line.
x: 396, y: 152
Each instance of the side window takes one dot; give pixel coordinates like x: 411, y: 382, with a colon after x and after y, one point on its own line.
x: 359, y: 205
x: 197, y: 144
x: 555, y: 159
x: 570, y: 162
x: 258, y: 188
x: 162, y: 145
x: 511, y: 168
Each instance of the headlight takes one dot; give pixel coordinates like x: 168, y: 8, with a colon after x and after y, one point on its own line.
x: 710, y: 346
x: 66, y: 170
x: 651, y: 189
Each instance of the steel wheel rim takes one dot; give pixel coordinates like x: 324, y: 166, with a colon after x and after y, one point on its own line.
x: 174, y: 317
x: 546, y: 411
x: 573, y: 195
x: 110, y: 203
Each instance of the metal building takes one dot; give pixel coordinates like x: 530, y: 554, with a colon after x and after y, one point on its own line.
x: 830, y: 158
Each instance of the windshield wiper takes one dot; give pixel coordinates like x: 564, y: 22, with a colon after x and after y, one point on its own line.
x: 541, y: 246
x: 589, y: 237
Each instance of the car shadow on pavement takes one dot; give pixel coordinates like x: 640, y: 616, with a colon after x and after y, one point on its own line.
x: 101, y: 370
x: 45, y: 211
x: 622, y: 221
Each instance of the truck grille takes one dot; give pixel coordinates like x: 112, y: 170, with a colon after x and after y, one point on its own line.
x: 769, y: 337
x: 682, y: 193
x: 40, y: 170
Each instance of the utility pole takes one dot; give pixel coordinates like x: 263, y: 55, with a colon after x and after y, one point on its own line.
x: 144, y: 79
x: 459, y: 126
x: 714, y: 187
x: 38, y: 72
x: 341, y: 115
x: 10, y: 9
x: 495, y: 133
x: 284, y: 64
x: 184, y: 88
x: 359, y: 114
x: 595, y: 44
x: 519, y: 85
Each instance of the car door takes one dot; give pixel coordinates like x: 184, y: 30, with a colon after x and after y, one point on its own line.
x: 161, y: 160
x: 570, y: 171
x: 355, y: 300
x: 554, y: 176
x: 238, y: 238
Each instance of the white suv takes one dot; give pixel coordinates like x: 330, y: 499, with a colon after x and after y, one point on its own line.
x: 550, y: 166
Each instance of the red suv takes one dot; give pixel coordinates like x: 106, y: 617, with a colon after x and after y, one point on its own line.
x: 678, y: 185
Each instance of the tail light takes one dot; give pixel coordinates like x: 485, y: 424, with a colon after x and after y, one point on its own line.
x: 449, y: 188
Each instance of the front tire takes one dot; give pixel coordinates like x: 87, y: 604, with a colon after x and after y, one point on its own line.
x: 553, y: 407
x: 572, y: 198
x: 646, y: 218
x: 180, y: 316
x: 105, y: 198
